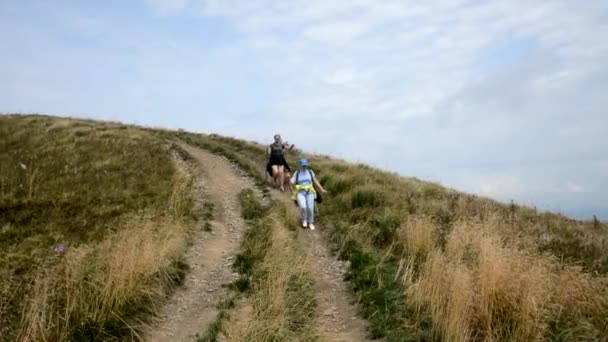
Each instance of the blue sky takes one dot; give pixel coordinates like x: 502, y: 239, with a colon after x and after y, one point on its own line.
x: 507, y: 99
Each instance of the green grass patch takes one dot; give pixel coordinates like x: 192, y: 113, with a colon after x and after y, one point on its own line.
x: 217, y: 326
x: 251, y: 207
x: 207, y: 216
x: 381, y: 296
x: 76, y: 184
x: 367, y: 198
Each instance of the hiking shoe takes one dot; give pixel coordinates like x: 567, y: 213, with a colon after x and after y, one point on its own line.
x: 304, y: 224
x: 311, y: 226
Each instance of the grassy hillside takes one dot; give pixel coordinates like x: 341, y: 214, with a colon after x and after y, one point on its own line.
x: 426, y: 262
x: 94, y: 218
x: 432, y: 263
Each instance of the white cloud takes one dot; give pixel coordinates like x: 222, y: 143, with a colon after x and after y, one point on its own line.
x: 502, y: 97
x: 335, y: 32
x: 501, y: 186
x: 344, y: 77
x: 573, y: 187
x: 493, y: 82
x: 84, y: 25
x: 168, y: 7
x: 264, y: 41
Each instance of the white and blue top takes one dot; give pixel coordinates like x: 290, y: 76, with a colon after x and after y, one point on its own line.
x: 303, y: 177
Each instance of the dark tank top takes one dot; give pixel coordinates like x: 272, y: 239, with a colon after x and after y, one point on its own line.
x: 276, y: 149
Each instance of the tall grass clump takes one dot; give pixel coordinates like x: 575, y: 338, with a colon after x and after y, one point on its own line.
x: 280, y: 290
x: 94, y: 217
x: 97, y: 291
x: 506, y: 293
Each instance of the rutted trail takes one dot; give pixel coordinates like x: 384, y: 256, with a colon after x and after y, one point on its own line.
x: 193, y: 306
x: 337, y: 317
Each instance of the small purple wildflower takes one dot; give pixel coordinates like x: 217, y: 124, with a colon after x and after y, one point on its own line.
x: 60, y: 249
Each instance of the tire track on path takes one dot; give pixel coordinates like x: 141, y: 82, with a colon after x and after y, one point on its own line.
x: 194, y: 305
x: 337, y: 317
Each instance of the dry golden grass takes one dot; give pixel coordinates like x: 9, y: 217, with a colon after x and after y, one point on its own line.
x: 282, y: 299
x: 118, y: 202
x: 480, y: 288
x: 445, y: 288
x: 96, y: 286
x: 416, y: 234
x: 100, y: 289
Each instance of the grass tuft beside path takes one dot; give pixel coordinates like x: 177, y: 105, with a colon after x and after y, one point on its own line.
x: 275, y: 276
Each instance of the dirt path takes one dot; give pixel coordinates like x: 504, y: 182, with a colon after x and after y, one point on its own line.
x: 193, y: 306
x: 336, y: 316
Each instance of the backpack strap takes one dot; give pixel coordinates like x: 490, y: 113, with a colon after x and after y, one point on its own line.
x: 312, y: 176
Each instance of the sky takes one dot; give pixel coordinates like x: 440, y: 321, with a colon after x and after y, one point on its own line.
x: 506, y: 99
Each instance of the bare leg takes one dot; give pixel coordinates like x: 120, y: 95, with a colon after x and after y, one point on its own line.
x: 281, y: 177
x: 288, y: 181
x: 275, y: 174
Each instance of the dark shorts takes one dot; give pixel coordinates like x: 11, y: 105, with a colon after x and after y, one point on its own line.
x: 277, y: 160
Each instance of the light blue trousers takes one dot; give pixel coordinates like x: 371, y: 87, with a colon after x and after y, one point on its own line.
x: 306, y: 202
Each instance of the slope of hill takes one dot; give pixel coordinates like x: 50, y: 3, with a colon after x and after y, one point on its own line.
x: 94, y: 193
x: 425, y: 262
x: 429, y: 262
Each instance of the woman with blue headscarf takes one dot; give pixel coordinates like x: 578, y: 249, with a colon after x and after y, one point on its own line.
x: 305, y: 193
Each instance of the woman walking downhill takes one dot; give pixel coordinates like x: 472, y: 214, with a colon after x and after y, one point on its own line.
x: 277, y: 165
x: 305, y: 181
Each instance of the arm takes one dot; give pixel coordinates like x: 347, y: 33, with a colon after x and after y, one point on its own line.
x: 293, y: 178
x: 286, y: 145
x: 268, y: 150
x: 316, y: 182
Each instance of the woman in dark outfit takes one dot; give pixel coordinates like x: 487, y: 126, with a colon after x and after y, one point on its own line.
x: 277, y: 165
